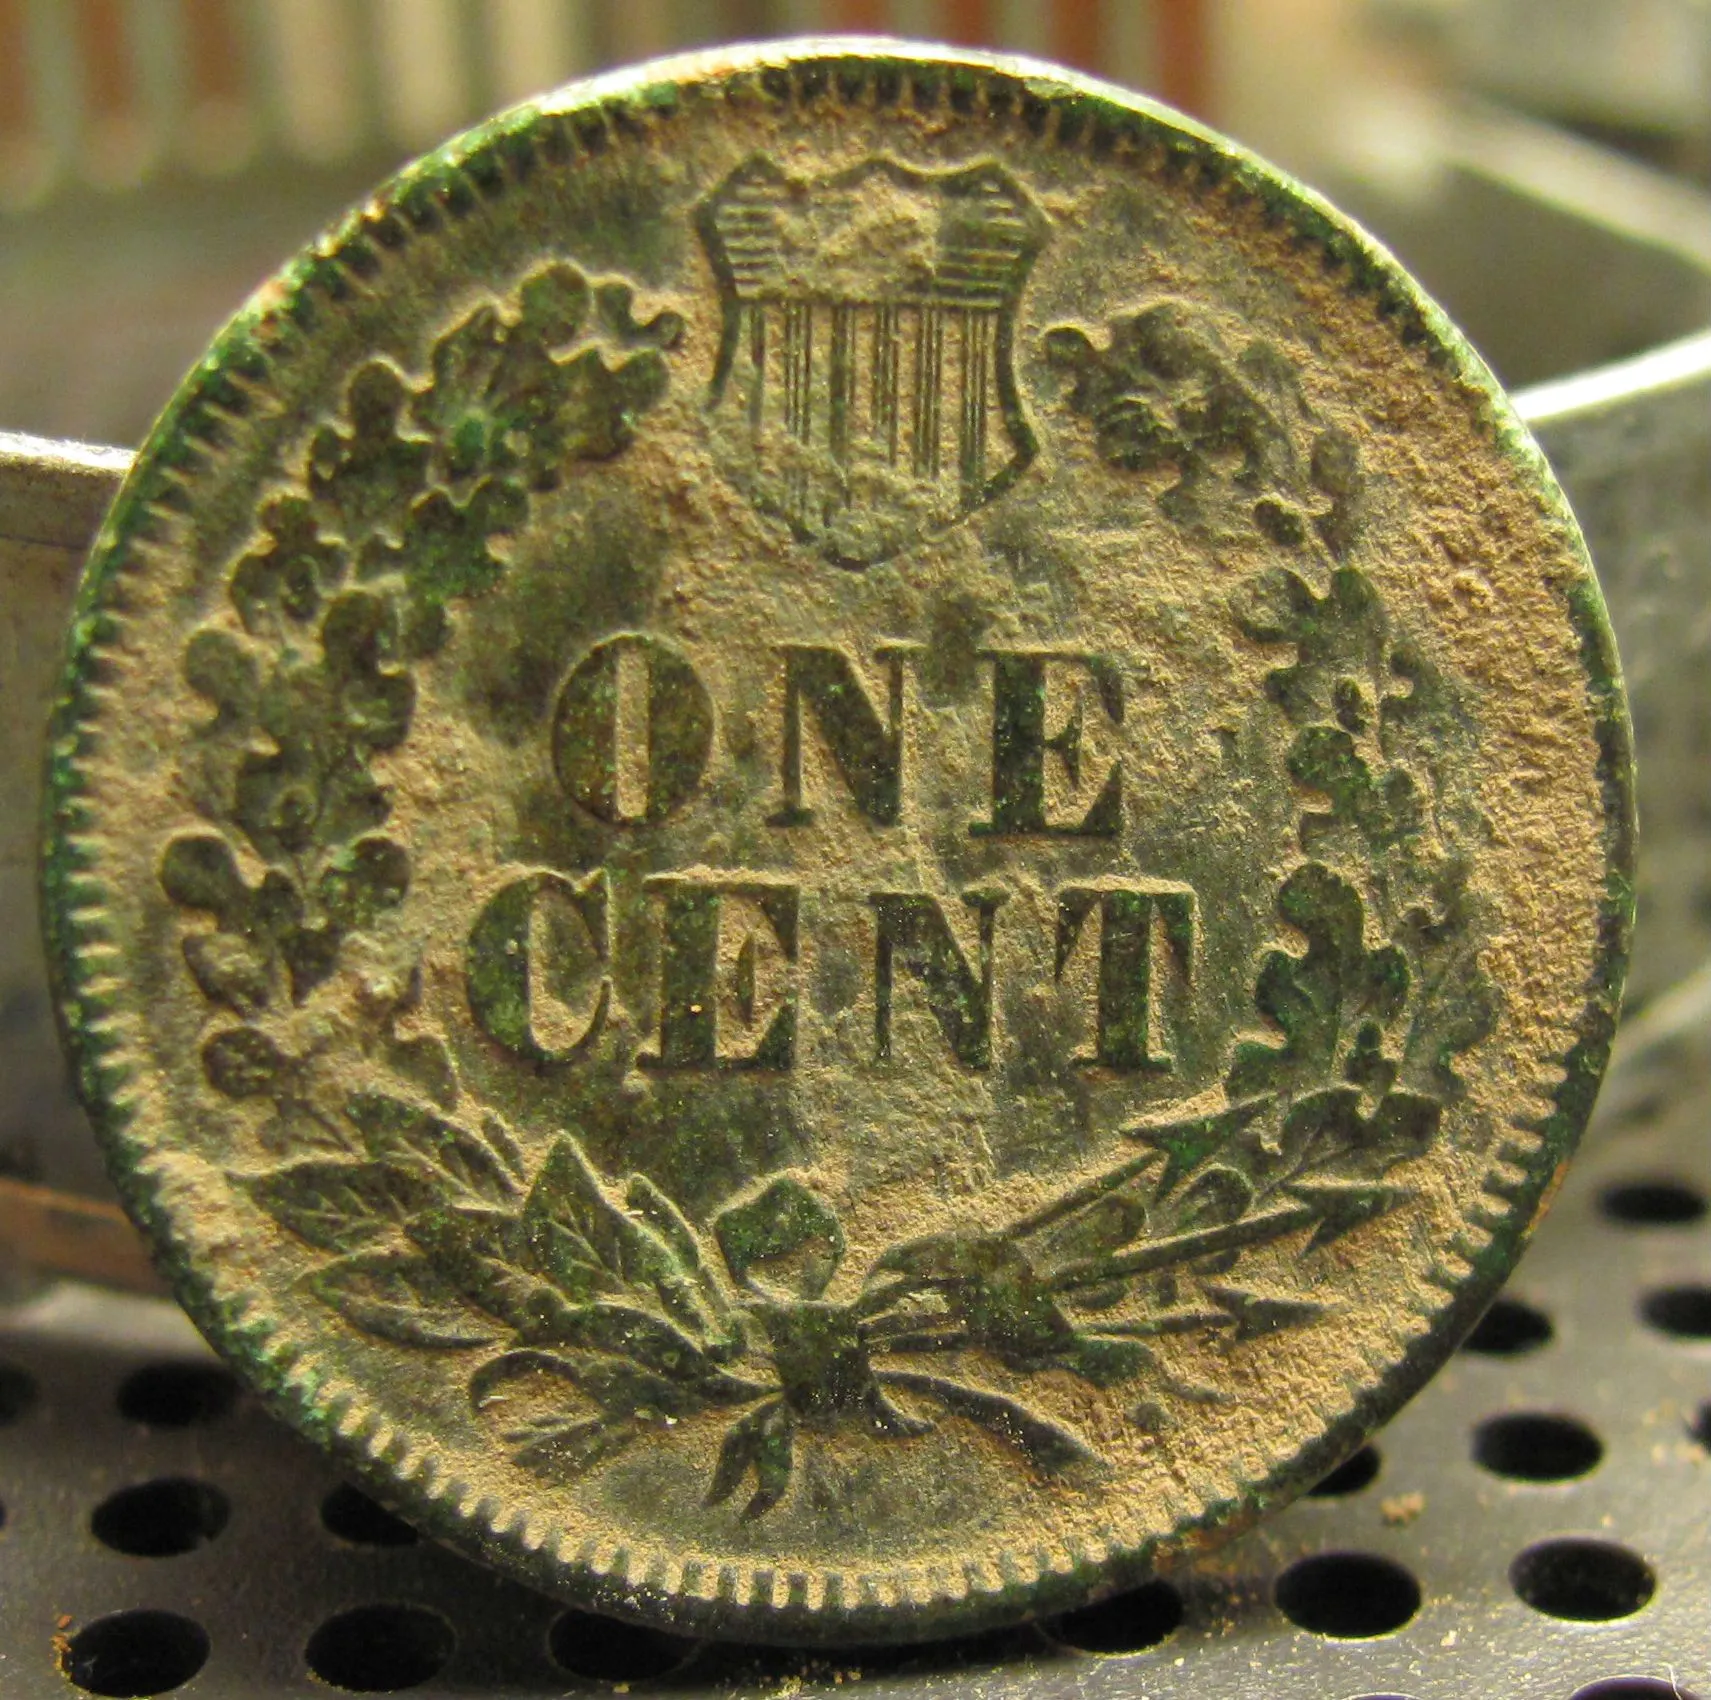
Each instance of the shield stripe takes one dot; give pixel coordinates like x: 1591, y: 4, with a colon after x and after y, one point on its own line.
x: 799, y: 335
x: 929, y: 389
x: 842, y: 381
x: 976, y: 328
x: 887, y: 346
x: 757, y: 354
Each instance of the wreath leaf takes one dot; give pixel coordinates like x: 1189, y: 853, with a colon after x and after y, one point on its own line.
x: 574, y: 1449
x: 585, y: 1244
x: 481, y: 1253
x: 761, y: 1442
x: 625, y: 1332
x: 1322, y: 998
x: 419, y: 1141
x: 337, y: 1205
x: 1048, y: 1447
x: 398, y: 1296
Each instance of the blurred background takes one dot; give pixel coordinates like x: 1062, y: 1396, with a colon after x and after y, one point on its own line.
x: 159, y: 157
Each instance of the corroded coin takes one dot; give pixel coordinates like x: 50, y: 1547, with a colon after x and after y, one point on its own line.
x: 840, y: 840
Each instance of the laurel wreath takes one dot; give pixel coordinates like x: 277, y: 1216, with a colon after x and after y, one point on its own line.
x: 601, y: 1312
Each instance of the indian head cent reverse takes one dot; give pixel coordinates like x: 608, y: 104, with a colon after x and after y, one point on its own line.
x: 840, y: 840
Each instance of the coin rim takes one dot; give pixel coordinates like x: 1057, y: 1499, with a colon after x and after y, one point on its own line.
x: 474, y: 166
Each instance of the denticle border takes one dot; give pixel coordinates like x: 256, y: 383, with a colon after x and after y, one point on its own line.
x: 480, y: 166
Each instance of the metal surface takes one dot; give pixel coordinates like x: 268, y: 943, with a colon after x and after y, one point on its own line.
x: 1632, y: 445
x: 51, y: 499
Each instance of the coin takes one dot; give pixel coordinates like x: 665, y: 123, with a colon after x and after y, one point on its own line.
x: 840, y: 840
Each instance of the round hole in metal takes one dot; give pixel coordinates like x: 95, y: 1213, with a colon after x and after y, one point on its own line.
x: 350, y: 1514
x: 380, y: 1649
x: 1632, y: 1688
x: 161, y: 1519
x: 1682, y: 1312
x: 18, y: 1393
x: 602, y: 1649
x: 1350, y: 1596
x: 134, y: 1653
x: 1700, y: 1427
x: 1350, y: 1476
x: 1585, y: 1581
x: 1130, y: 1622
x: 1536, y: 1446
x: 176, y: 1395
x: 1652, y: 1204
x: 1508, y: 1330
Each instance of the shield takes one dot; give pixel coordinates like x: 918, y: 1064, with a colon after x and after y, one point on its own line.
x: 864, y: 390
